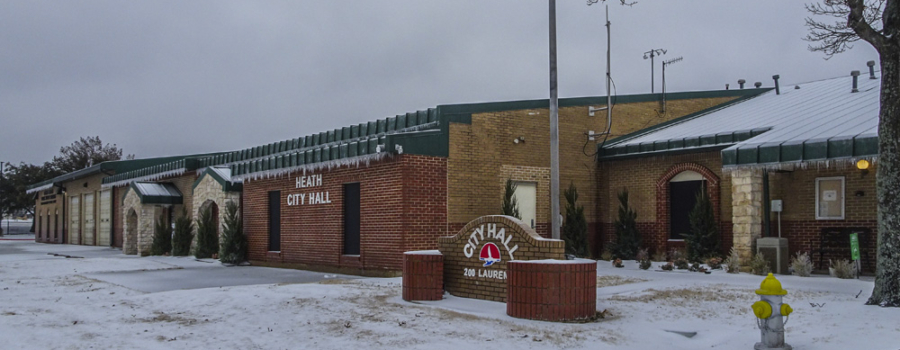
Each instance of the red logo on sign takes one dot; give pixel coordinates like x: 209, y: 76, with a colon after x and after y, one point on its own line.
x: 490, y: 254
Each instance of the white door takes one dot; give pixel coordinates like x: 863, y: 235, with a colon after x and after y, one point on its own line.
x: 104, y: 233
x: 74, y: 220
x: 89, y: 224
x: 526, y: 198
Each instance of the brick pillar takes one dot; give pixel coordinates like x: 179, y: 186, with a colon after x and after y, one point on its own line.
x: 423, y: 275
x: 747, y: 217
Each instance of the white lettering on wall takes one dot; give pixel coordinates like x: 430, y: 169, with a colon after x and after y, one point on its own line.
x: 308, y: 198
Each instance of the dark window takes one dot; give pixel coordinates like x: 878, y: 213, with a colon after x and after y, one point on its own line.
x: 682, y: 198
x: 351, y: 219
x: 274, y: 221
x: 56, y: 225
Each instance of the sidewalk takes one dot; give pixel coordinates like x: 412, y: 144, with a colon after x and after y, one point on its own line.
x: 26, y: 237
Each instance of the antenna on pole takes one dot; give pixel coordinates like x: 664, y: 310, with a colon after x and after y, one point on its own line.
x: 664, y: 64
x: 653, y: 53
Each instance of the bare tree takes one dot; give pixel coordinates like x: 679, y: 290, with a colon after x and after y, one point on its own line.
x: 876, y: 22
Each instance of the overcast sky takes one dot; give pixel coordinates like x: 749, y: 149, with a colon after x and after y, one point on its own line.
x: 175, y: 77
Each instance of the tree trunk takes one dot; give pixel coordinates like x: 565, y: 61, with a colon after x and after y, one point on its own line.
x: 887, y: 272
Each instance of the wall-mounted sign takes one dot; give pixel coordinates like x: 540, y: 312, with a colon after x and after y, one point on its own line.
x: 308, y: 197
x: 475, y: 258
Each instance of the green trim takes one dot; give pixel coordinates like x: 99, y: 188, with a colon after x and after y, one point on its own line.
x: 471, y: 108
x: 146, y: 199
x: 798, y: 151
x: 667, y: 152
x: 427, y: 143
x: 689, y: 144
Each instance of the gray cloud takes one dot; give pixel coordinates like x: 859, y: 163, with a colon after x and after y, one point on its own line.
x: 176, y: 77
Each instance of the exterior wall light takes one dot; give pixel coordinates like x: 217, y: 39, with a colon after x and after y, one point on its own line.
x: 863, y: 166
x: 520, y: 139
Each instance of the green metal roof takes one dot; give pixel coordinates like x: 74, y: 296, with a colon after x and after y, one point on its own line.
x: 156, y: 193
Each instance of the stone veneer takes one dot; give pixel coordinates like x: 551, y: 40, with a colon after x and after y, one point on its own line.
x: 747, y: 215
x: 210, y: 190
x: 138, y: 242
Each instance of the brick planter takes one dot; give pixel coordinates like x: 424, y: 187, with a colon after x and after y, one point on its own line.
x: 423, y: 275
x: 552, y: 290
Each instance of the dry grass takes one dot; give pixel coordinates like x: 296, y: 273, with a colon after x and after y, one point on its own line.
x: 613, y: 280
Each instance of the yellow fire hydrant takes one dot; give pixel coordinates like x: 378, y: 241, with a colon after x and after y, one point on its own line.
x: 769, y: 311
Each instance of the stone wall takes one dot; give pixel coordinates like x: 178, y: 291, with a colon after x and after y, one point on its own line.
x: 208, y: 189
x: 747, y: 211
x: 138, y: 240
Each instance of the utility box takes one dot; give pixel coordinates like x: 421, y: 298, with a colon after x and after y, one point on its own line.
x: 777, y: 206
x: 775, y: 251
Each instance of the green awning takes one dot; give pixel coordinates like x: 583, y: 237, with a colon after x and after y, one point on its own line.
x: 157, y: 193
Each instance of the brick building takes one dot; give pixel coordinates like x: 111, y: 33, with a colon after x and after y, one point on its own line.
x: 356, y: 197
x: 799, y: 144
x: 75, y: 208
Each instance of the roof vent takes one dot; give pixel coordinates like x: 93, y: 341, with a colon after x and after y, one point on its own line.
x: 855, y: 75
x: 796, y: 87
x: 871, y: 65
x: 726, y: 86
x: 757, y: 84
x: 741, y: 83
x: 777, y: 89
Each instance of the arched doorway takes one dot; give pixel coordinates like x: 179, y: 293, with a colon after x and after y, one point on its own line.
x: 131, y: 236
x: 683, y: 190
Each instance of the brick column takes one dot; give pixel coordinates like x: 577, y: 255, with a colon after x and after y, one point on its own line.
x: 747, y: 217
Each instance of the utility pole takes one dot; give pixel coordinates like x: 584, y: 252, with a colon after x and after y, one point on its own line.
x: 653, y: 53
x: 664, y: 64
x: 554, y: 130
x: 2, y: 201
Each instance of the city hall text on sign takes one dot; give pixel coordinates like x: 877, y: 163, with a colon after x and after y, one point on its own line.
x: 308, y: 198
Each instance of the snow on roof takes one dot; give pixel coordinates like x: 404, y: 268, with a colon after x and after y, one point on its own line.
x: 819, y: 111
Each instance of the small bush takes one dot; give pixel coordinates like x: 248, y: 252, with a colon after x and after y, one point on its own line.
x: 207, y: 236
x: 628, y: 239
x: 714, y: 263
x: 234, y: 242
x: 733, y: 262
x: 574, y: 230
x: 184, y: 234
x: 162, y: 238
x: 841, y: 268
x: 643, y: 254
x: 645, y: 264
x: 704, y: 237
x: 667, y: 266
x: 618, y: 263
x: 659, y: 256
x: 681, y: 263
x: 606, y: 255
x: 801, y: 265
x: 759, y: 265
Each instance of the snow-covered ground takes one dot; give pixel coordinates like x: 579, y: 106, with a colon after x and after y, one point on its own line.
x: 47, y: 302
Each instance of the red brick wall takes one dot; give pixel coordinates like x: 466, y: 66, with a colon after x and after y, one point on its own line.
x: 118, y: 226
x: 403, y: 207
x: 647, y: 181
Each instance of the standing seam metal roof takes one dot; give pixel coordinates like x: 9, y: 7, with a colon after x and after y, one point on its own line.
x: 820, y: 120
